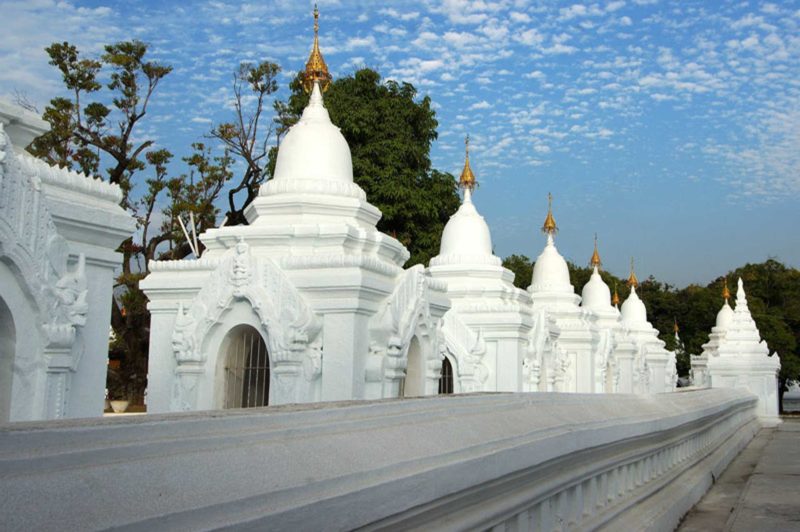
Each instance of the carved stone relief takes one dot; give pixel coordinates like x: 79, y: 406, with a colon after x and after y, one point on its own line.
x: 30, y: 241
x: 290, y: 325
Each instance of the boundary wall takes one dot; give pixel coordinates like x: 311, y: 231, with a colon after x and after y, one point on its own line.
x: 542, y: 461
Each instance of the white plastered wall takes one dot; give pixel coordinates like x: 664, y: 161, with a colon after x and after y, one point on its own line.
x: 26, y: 392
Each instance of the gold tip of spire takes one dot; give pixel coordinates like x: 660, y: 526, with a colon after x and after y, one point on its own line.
x: 549, y: 227
x: 467, y: 180
x: 316, y: 69
x: 615, y: 299
x: 726, y: 294
x: 632, y: 280
x: 675, y: 327
x: 595, y: 261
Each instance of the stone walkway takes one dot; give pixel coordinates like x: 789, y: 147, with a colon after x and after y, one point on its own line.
x: 760, y: 490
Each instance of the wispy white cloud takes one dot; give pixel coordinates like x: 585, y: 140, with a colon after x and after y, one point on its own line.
x: 480, y: 105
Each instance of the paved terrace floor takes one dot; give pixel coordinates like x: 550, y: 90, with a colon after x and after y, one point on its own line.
x: 760, y: 490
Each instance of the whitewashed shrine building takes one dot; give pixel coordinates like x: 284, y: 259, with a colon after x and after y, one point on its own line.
x: 59, y: 231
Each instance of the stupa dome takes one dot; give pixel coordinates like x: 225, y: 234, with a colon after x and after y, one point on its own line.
x: 314, y: 148
x: 724, y: 317
x: 550, y: 273
x: 466, y: 233
x: 596, y: 294
x: 725, y: 314
x: 633, y: 309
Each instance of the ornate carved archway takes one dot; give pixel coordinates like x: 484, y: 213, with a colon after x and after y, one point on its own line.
x: 289, y: 324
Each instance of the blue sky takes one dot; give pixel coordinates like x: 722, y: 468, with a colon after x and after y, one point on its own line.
x: 671, y: 129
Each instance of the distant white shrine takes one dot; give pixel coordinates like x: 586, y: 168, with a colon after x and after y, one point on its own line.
x: 58, y: 234
x: 736, y: 356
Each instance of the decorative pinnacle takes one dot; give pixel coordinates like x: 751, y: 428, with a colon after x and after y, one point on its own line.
x: 675, y: 327
x: 595, y: 261
x: 632, y: 280
x: 726, y: 294
x: 549, y: 227
x: 316, y: 69
x: 615, y: 299
x: 467, y: 180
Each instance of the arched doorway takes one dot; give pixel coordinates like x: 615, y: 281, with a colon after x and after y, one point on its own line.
x: 446, y: 377
x: 246, y: 371
x: 414, y: 384
x: 8, y: 342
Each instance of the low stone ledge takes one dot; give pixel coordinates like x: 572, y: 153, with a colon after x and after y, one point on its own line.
x: 471, y: 461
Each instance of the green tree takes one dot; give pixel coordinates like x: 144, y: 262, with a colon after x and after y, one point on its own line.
x: 247, y: 137
x: 390, y: 133
x: 86, y: 133
x: 522, y: 268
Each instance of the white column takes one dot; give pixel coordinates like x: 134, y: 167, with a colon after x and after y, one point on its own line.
x: 344, y: 351
x: 88, y: 383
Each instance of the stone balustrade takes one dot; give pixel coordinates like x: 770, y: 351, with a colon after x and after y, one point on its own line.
x: 486, y: 461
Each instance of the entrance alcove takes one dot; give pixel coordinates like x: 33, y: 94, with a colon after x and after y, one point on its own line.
x: 245, y: 368
x: 8, y: 342
x: 414, y: 384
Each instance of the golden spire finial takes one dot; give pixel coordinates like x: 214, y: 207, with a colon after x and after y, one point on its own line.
x: 615, y: 299
x: 549, y: 227
x: 316, y: 69
x: 467, y: 180
x: 675, y: 327
x: 632, y: 280
x: 726, y: 294
x: 595, y: 262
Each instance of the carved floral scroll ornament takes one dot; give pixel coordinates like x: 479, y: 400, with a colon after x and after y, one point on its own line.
x: 541, y: 353
x: 403, y: 315
x: 291, y: 327
x: 30, y: 240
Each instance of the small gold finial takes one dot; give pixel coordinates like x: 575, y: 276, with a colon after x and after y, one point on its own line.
x: 632, y: 280
x: 467, y: 180
x: 615, y: 299
x: 595, y: 262
x: 726, y: 294
x: 549, y: 227
x: 316, y: 69
x: 675, y: 327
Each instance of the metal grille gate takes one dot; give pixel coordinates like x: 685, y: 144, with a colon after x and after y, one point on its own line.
x: 246, y: 370
x: 446, y: 377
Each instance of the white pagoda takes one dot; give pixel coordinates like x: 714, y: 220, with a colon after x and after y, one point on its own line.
x: 566, y: 341
x: 486, y: 331
x: 741, y: 359
x: 309, y: 302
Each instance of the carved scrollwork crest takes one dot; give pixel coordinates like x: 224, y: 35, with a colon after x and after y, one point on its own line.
x: 405, y: 313
x: 289, y: 322
x: 30, y: 240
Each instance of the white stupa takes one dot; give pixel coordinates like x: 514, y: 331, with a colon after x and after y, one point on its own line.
x: 614, y: 350
x: 699, y: 371
x: 742, y: 359
x: 486, y: 329
x: 246, y: 324
x: 654, y: 367
x: 570, y: 364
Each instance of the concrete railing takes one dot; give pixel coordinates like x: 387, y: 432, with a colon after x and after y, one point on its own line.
x: 515, y: 461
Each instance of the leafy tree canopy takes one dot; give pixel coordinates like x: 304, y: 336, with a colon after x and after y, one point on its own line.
x: 98, y: 124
